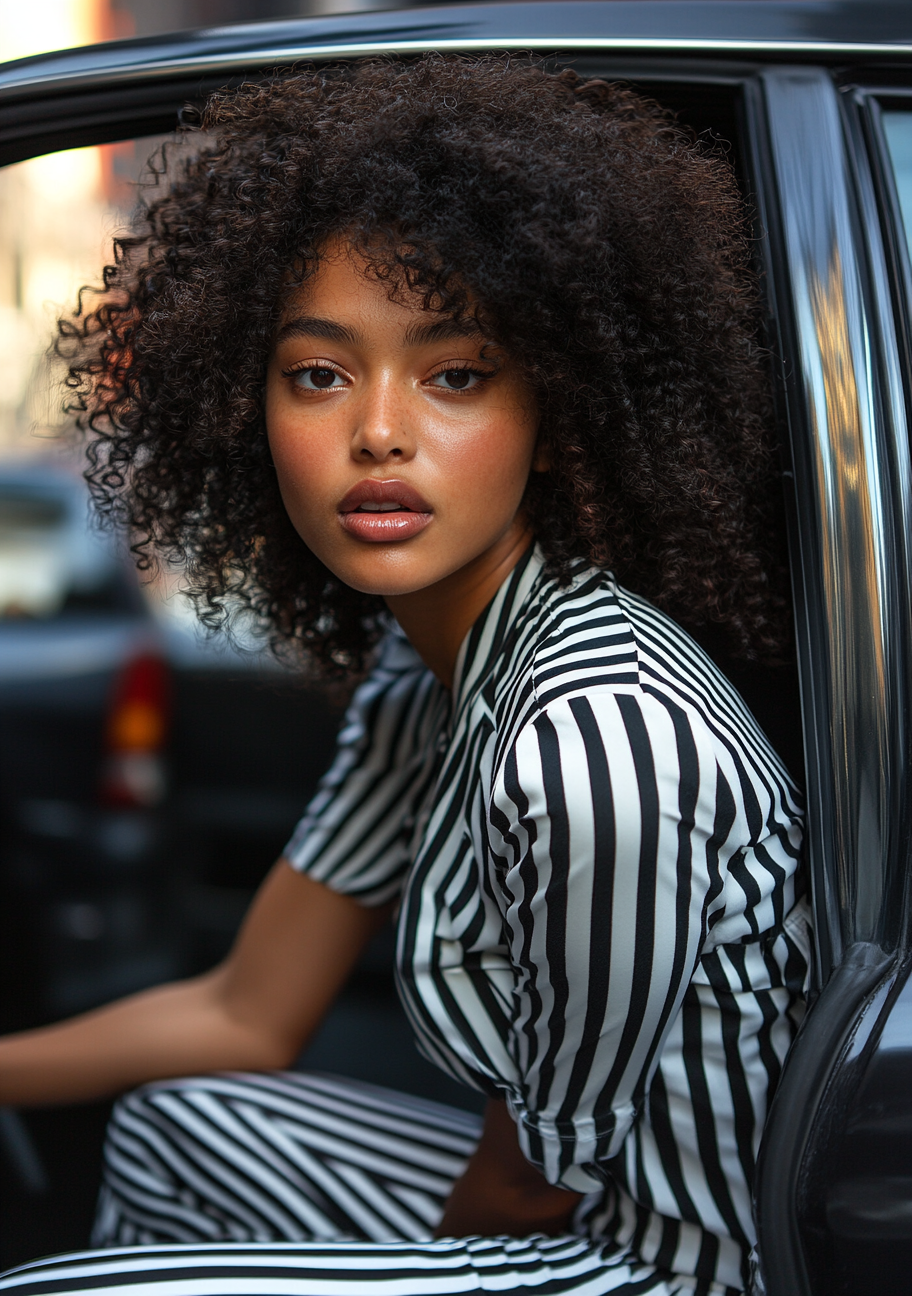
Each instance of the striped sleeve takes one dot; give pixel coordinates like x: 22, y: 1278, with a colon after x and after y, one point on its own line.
x: 356, y: 833
x: 604, y: 817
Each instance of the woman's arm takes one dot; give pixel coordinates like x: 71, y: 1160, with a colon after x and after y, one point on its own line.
x: 602, y: 834
x: 255, y: 1011
x: 501, y: 1192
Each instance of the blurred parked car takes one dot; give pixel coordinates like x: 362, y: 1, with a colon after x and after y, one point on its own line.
x: 148, y: 774
x: 86, y: 697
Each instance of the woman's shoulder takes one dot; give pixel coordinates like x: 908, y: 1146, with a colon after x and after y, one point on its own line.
x: 591, y: 633
x: 592, y: 637
x: 580, y: 636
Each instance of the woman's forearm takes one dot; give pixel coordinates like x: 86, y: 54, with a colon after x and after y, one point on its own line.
x: 171, y: 1030
x: 500, y: 1192
x: 255, y: 1012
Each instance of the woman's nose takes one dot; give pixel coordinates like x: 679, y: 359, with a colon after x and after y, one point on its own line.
x: 383, y: 430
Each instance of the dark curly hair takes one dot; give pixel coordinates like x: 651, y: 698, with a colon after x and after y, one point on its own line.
x: 594, y: 240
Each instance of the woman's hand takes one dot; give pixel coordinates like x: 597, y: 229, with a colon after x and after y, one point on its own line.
x: 254, y: 1012
x: 501, y: 1192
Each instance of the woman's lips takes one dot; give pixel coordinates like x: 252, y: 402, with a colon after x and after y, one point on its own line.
x: 384, y: 511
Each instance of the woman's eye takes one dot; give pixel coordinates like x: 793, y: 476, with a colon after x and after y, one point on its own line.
x: 318, y: 378
x: 458, y: 379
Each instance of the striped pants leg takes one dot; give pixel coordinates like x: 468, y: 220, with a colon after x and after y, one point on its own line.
x: 304, y: 1185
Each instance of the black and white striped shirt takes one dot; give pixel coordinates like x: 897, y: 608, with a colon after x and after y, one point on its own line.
x: 595, y: 849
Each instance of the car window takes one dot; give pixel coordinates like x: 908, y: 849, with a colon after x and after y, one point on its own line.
x: 898, y: 131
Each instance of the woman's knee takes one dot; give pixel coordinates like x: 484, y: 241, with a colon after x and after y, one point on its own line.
x: 160, y: 1095
x: 157, y: 1113
x: 142, y: 1102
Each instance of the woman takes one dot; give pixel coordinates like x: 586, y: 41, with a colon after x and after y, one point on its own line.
x: 480, y: 337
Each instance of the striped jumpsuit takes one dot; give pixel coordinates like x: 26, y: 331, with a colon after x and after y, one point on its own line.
x: 594, y: 850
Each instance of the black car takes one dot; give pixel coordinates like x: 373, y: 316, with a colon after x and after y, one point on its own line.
x: 812, y: 100
x: 85, y: 708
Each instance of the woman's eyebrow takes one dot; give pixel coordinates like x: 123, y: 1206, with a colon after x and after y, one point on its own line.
x: 312, y: 326
x: 441, y: 330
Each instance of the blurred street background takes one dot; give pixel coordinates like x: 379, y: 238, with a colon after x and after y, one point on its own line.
x: 149, y: 775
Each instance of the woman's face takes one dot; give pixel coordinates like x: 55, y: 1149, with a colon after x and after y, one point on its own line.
x: 402, y: 441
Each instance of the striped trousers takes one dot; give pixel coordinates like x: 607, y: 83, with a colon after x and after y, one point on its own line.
x: 306, y: 1185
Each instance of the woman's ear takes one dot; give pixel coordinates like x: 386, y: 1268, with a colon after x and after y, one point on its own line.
x: 541, y: 460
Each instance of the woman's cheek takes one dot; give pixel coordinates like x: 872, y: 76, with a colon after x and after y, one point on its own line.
x: 495, y: 466
x: 297, y: 472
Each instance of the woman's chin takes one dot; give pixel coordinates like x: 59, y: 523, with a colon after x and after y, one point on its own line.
x: 387, y: 576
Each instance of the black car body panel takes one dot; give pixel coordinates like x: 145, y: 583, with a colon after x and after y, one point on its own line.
x: 801, y: 84
x: 125, y: 88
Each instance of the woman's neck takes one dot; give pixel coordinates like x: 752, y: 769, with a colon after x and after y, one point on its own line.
x: 437, y: 619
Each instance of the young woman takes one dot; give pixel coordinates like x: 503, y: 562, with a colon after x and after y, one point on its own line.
x: 423, y: 359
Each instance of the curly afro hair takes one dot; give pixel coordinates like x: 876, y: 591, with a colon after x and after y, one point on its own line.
x: 593, y: 239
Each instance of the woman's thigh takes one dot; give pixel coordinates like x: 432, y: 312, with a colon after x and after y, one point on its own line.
x: 447, y: 1267
x: 240, y: 1166
x: 278, y: 1157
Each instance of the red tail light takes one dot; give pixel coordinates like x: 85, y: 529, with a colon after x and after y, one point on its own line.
x: 136, y: 732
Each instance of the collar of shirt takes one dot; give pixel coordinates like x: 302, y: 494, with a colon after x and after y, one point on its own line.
x: 484, y: 643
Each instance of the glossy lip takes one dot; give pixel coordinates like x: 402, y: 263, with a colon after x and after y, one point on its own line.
x: 380, y: 527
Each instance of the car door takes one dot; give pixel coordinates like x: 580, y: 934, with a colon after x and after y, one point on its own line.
x: 835, y: 1193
